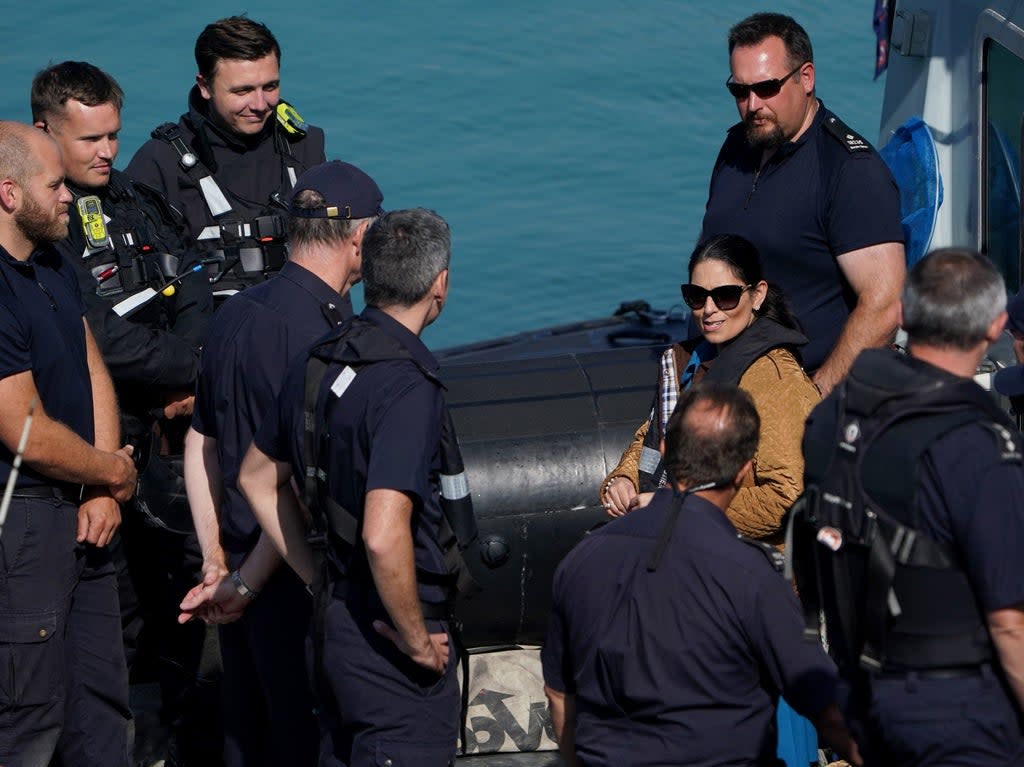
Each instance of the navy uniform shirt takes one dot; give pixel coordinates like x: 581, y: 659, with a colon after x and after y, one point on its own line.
x: 252, y: 339
x: 385, y: 427
x: 41, y: 330
x: 684, y: 663
x: 801, y: 220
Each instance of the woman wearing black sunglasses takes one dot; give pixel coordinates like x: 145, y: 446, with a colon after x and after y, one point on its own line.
x: 748, y: 337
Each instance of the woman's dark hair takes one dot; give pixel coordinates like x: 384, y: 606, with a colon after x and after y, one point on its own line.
x: 743, y: 260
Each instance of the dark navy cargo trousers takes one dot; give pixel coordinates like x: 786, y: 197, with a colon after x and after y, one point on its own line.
x: 63, y: 679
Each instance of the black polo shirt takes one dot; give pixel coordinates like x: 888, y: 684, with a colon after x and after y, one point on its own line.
x: 41, y: 330
x: 688, y: 661
x: 385, y: 426
x: 814, y: 200
x: 252, y: 338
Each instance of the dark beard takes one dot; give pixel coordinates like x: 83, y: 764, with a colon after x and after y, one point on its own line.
x: 37, y: 226
x: 773, y: 139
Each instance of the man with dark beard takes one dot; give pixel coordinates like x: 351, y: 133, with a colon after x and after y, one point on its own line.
x: 812, y: 195
x: 63, y: 679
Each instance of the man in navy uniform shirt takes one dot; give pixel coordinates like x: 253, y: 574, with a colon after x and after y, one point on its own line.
x: 812, y: 195
x: 63, y: 679
x: 947, y: 682
x: 268, y: 715
x: 387, y: 667
x: 671, y: 638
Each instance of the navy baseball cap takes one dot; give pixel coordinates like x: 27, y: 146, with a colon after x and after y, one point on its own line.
x: 1015, y: 312
x: 347, y: 191
x: 1010, y: 381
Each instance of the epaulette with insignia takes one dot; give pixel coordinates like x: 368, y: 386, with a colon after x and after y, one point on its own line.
x: 1007, y: 443
x: 846, y: 136
x: 775, y: 557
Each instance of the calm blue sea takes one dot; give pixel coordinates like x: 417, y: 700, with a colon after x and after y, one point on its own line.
x: 568, y: 143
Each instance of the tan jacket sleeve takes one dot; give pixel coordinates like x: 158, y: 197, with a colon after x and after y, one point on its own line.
x: 784, y: 397
x: 629, y: 464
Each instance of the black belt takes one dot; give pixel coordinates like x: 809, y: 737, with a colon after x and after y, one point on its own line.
x: 956, y: 672
x: 69, y: 493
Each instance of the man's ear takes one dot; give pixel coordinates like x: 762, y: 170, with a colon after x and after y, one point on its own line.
x: 9, y: 194
x: 440, y: 286
x: 205, y: 87
x: 743, y: 472
x: 996, y: 328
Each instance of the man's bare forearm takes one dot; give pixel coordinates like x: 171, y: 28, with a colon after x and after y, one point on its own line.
x: 204, y: 485
x: 1007, y: 630
x: 267, y: 486
x: 387, y: 533
x: 866, y: 328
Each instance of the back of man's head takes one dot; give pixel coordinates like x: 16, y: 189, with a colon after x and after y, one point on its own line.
x: 755, y: 29
x: 237, y: 38
x: 950, y: 299
x: 403, y: 253
x: 329, y: 203
x: 55, y: 86
x: 711, y: 435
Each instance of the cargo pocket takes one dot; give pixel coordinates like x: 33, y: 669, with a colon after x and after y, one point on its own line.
x: 31, y: 660
x: 398, y: 754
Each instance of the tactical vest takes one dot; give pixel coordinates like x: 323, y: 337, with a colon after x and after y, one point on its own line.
x: 138, y: 223
x: 252, y: 246
x: 892, y: 598
x: 356, y: 344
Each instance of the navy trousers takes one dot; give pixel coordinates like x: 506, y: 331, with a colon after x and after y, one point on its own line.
x: 268, y: 707
x: 386, y: 709
x: 917, y: 721
x: 63, y: 679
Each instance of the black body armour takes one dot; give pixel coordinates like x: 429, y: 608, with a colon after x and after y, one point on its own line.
x: 892, y: 598
x: 134, y: 255
x: 243, y: 250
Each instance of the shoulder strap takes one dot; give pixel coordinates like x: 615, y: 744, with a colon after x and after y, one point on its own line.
x: 189, y: 162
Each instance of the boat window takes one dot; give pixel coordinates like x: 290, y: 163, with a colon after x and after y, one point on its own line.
x: 1001, y: 150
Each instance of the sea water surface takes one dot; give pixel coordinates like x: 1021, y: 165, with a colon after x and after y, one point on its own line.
x: 568, y: 143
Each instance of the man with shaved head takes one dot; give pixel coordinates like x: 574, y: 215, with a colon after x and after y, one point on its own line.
x: 63, y: 681
x: 671, y: 637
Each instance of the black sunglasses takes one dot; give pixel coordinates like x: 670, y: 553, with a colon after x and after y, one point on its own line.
x: 763, y: 90
x: 726, y: 297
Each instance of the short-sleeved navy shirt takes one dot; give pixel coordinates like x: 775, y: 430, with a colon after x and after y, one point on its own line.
x: 686, y: 660
x: 252, y: 338
x: 41, y: 329
x: 972, y: 498
x: 802, y: 221
x: 385, y: 427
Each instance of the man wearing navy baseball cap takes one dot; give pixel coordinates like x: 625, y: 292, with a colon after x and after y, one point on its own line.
x: 263, y: 609
x: 1010, y: 381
